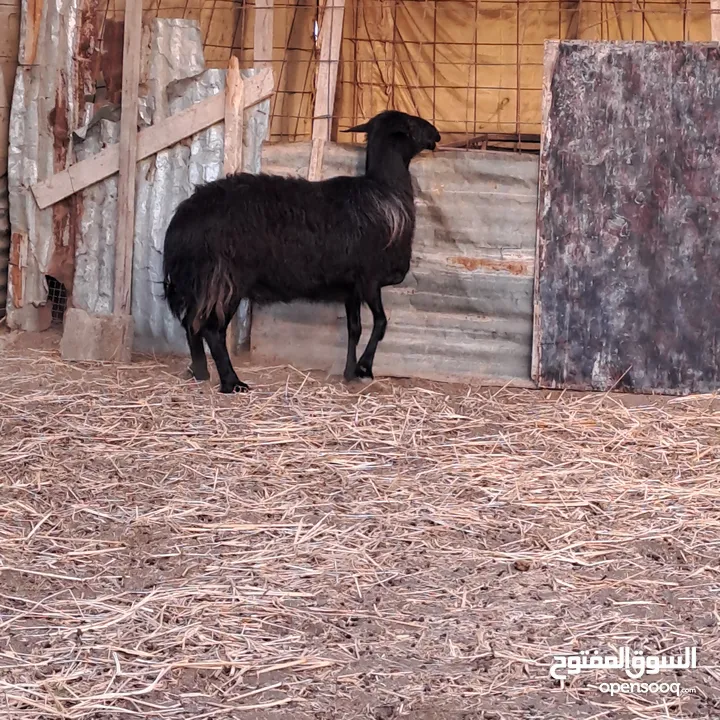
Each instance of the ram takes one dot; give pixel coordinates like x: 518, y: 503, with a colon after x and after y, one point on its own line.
x: 278, y: 239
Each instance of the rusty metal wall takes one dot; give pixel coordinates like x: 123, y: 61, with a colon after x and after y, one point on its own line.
x: 9, y: 44
x: 50, y: 99
x: 464, y: 312
x: 4, y: 243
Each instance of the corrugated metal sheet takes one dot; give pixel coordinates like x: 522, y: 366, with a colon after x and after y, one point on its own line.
x: 48, y: 101
x: 95, y: 244
x: 465, y: 309
x: 163, y: 182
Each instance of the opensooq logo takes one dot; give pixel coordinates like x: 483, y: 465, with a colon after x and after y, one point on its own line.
x: 635, y: 663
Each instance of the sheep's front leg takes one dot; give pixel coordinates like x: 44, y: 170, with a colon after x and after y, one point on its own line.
x: 365, y: 364
x: 354, y: 328
x: 217, y: 342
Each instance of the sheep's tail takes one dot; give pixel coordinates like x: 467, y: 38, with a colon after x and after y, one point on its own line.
x: 211, y: 291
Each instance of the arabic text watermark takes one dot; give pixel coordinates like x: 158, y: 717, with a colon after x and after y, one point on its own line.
x: 635, y: 664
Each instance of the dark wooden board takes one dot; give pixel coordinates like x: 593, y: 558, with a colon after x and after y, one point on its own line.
x: 627, y: 291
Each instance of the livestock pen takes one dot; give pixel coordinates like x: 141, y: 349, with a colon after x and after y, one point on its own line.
x: 425, y: 545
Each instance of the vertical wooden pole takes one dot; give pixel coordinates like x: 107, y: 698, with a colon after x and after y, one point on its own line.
x: 330, y: 42
x: 232, y: 161
x: 263, y: 39
x: 234, y: 116
x: 715, y: 20
x: 128, y: 156
x: 263, y: 34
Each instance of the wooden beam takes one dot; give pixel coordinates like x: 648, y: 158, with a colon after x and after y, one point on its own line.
x: 715, y: 20
x: 151, y: 140
x: 330, y: 42
x: 127, y: 163
x: 263, y: 34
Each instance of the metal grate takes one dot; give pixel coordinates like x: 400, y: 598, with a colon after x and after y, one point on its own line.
x: 57, y: 295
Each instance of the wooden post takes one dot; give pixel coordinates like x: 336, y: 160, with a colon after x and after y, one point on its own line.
x: 330, y: 42
x: 128, y: 155
x: 232, y: 163
x: 715, y: 20
x: 263, y: 39
x: 234, y: 112
x: 263, y: 34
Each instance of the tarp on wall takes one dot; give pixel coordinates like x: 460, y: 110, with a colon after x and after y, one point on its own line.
x: 471, y: 67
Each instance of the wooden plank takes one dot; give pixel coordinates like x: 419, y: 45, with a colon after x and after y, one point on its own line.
x: 317, y: 152
x: 263, y: 38
x: 263, y: 34
x: 629, y: 196
x: 233, y: 144
x: 127, y: 156
x: 330, y: 44
x: 549, y: 61
x: 715, y: 20
x: 234, y: 111
x: 151, y: 140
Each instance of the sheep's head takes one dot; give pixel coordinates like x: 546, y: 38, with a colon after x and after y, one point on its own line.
x: 410, y: 133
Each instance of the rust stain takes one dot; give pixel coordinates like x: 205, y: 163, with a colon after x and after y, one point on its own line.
x: 15, y: 274
x: 62, y: 262
x: 87, y: 55
x: 65, y: 217
x: 111, y: 59
x: 33, y: 18
x: 65, y: 116
x: 58, y: 120
x: 514, y: 267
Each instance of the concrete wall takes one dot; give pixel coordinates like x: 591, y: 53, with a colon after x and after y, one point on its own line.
x: 464, y: 312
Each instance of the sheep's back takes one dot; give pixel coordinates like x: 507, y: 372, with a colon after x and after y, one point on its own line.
x: 286, y: 238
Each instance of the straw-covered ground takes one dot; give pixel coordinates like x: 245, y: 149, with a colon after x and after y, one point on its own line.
x: 317, y: 551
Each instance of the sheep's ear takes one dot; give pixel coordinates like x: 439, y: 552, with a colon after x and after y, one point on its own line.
x: 364, y: 128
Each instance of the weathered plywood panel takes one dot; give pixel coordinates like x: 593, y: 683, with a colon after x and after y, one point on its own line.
x: 464, y: 312
x: 629, y: 219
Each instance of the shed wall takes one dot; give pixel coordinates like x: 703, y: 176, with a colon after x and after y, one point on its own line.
x: 9, y: 45
x: 464, y: 312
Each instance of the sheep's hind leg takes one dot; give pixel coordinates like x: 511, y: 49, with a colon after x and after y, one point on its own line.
x: 365, y: 364
x: 198, y: 362
x: 354, y: 328
x: 217, y: 342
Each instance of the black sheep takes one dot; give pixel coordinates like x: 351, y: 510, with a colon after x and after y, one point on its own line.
x: 277, y: 239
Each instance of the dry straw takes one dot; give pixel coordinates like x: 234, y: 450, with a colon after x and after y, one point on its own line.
x: 315, y: 551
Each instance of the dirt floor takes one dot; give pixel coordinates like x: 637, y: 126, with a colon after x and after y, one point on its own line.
x: 317, y: 551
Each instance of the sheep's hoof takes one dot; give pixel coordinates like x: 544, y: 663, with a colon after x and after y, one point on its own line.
x: 237, y: 387
x: 363, y: 371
